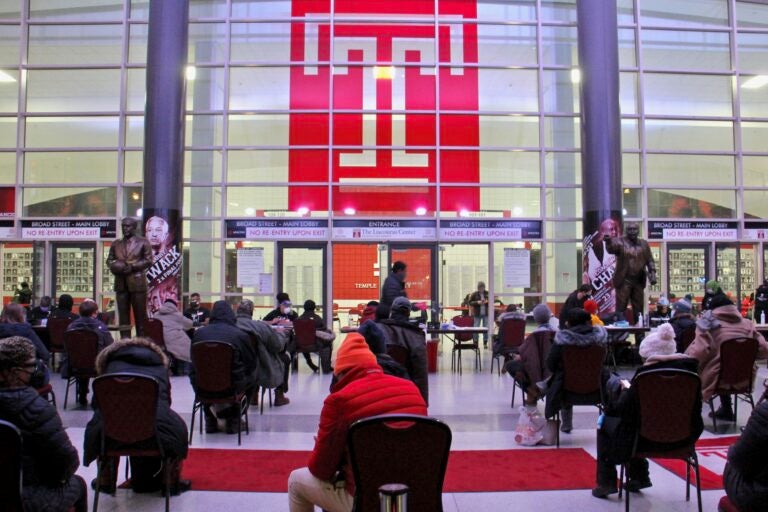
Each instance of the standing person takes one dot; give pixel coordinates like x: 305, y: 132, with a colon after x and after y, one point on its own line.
x: 634, y: 265
x: 222, y: 327
x: 579, y: 333
x: 177, y: 341
x: 614, y: 447
x: 721, y: 322
x: 575, y: 300
x: 129, y: 258
x: 402, y: 333
x: 682, y: 321
x: 64, y: 308
x: 745, y: 477
x: 142, y: 356
x: 362, y: 391
x: 324, y: 335
x: 273, y: 358
x: 478, y: 302
x: 394, y: 284
x: 88, y: 320
x: 195, y: 312
x: 711, y: 290
x: 761, y: 302
x: 39, y: 314
x: 23, y: 294
x: 49, y: 460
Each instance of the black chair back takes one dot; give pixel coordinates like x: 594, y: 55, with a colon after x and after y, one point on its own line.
x: 463, y: 321
x: 667, y: 400
x: 583, y: 367
x: 82, y: 347
x: 56, y: 329
x: 381, y: 451
x: 686, y: 338
x: 305, y: 335
x: 128, y: 405
x: 10, y: 467
x: 213, y: 367
x: 153, y: 329
x: 737, y: 366
x: 512, y: 332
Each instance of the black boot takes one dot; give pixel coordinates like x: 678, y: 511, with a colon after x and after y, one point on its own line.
x: 211, y: 422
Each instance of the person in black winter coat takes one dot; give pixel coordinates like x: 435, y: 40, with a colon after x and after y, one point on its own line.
x: 761, y: 302
x: 49, y: 460
x: 394, y: 284
x: 575, y: 300
x: 682, y: 321
x: 64, y: 308
x: 142, y: 356
x: 40, y: 312
x: 746, y: 473
x: 87, y: 321
x: 12, y: 323
x: 222, y: 327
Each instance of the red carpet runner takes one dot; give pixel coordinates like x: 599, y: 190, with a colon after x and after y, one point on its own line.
x: 468, y: 471
x: 712, y: 456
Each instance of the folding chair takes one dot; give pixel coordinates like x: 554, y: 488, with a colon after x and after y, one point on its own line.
x: 582, y: 371
x: 737, y: 367
x: 464, y: 341
x: 512, y: 335
x: 81, y: 347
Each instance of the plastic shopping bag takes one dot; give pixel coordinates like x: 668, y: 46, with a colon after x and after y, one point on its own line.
x: 528, y: 431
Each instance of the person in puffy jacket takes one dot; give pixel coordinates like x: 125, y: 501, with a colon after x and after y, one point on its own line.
x: 746, y: 473
x: 13, y: 323
x: 362, y: 391
x: 394, y: 284
x: 177, y: 341
x: 49, y: 460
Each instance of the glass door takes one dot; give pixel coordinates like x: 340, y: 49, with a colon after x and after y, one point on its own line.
x: 736, y: 269
x: 74, y: 270
x: 687, y: 269
x: 420, y: 285
x: 462, y: 267
x: 302, y: 274
x: 22, y: 263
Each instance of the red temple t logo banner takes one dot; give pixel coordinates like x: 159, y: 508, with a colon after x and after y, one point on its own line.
x: 383, y: 87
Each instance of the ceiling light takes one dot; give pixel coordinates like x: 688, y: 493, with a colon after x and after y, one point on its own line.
x: 191, y: 72
x: 421, y: 210
x: 384, y: 72
x: 575, y: 75
x: 135, y: 196
x: 755, y: 82
x: 139, y: 212
x: 464, y: 213
x: 250, y: 212
x: 349, y: 211
x: 303, y: 210
x: 5, y: 77
x: 517, y: 211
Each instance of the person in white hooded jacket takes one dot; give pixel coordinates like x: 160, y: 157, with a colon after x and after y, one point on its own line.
x: 177, y: 341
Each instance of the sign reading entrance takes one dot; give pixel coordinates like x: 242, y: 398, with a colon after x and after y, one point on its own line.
x: 285, y: 229
x: 490, y: 229
x: 704, y: 230
x: 384, y: 230
x: 91, y: 229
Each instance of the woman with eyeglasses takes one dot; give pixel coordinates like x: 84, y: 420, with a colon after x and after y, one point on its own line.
x: 49, y: 460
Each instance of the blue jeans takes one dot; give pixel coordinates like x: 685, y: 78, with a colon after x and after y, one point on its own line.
x: 481, y: 321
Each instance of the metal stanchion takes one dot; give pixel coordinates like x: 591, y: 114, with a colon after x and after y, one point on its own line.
x: 393, y: 498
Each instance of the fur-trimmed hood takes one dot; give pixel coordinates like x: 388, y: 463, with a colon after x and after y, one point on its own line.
x: 129, y: 351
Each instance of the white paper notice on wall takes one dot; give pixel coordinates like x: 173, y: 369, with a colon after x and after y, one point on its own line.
x: 517, y: 268
x: 265, y: 284
x: 250, y: 265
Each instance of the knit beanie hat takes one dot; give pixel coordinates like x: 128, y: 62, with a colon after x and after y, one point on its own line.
x: 541, y: 314
x: 353, y: 352
x: 659, y: 343
x: 682, y: 306
x: 591, y: 307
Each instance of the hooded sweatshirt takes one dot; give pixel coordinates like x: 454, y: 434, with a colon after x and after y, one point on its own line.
x: 175, y: 325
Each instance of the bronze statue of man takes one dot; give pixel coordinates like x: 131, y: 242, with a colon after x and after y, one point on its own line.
x: 129, y: 257
x: 634, y: 264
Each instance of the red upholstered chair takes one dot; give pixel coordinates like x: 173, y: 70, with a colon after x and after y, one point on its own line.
x: 668, y: 400
x: 544, y: 340
x: 582, y: 371
x: 56, y: 328
x: 464, y: 341
x: 10, y: 467
x: 81, y: 347
x: 686, y: 338
x: 153, y: 329
x: 737, y: 366
x: 128, y: 406
x: 381, y: 451
x: 305, y: 336
x: 725, y: 505
x: 47, y: 393
x: 213, y: 382
x: 512, y: 335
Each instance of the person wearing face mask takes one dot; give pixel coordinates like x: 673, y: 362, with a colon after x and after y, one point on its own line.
x: 39, y: 314
x: 284, y: 316
x: 12, y: 323
x: 49, y: 460
x: 195, y: 312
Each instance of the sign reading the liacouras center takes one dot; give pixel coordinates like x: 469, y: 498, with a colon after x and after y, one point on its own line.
x: 91, y: 229
x: 693, y: 230
x: 278, y: 229
x: 490, y: 229
x: 384, y: 230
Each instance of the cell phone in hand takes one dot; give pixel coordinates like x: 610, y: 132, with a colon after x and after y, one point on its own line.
x: 626, y: 383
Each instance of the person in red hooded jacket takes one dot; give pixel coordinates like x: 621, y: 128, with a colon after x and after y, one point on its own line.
x: 362, y: 391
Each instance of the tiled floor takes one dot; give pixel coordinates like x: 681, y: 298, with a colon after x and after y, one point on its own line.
x: 475, y: 405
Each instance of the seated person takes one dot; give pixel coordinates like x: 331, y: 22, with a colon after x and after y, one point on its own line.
x: 377, y: 343
x: 614, y: 444
x: 273, y: 359
x: 661, y: 314
x: 195, y: 312
x: 528, y: 366
x: 401, y: 332
x: 87, y: 321
x: 142, y: 356
x: 284, y: 315
x: 681, y: 321
x: 579, y: 332
x: 362, y: 391
x: 591, y: 307
x: 177, y: 341
x: 49, y: 459
x: 746, y: 477
x: 64, y: 308
x: 222, y: 327
x: 721, y: 322
x: 325, y: 336
x: 369, y: 313
x: 40, y: 313
x: 712, y: 290
x: 13, y: 323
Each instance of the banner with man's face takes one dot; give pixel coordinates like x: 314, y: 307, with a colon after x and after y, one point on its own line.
x: 598, y: 265
x: 162, y: 228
